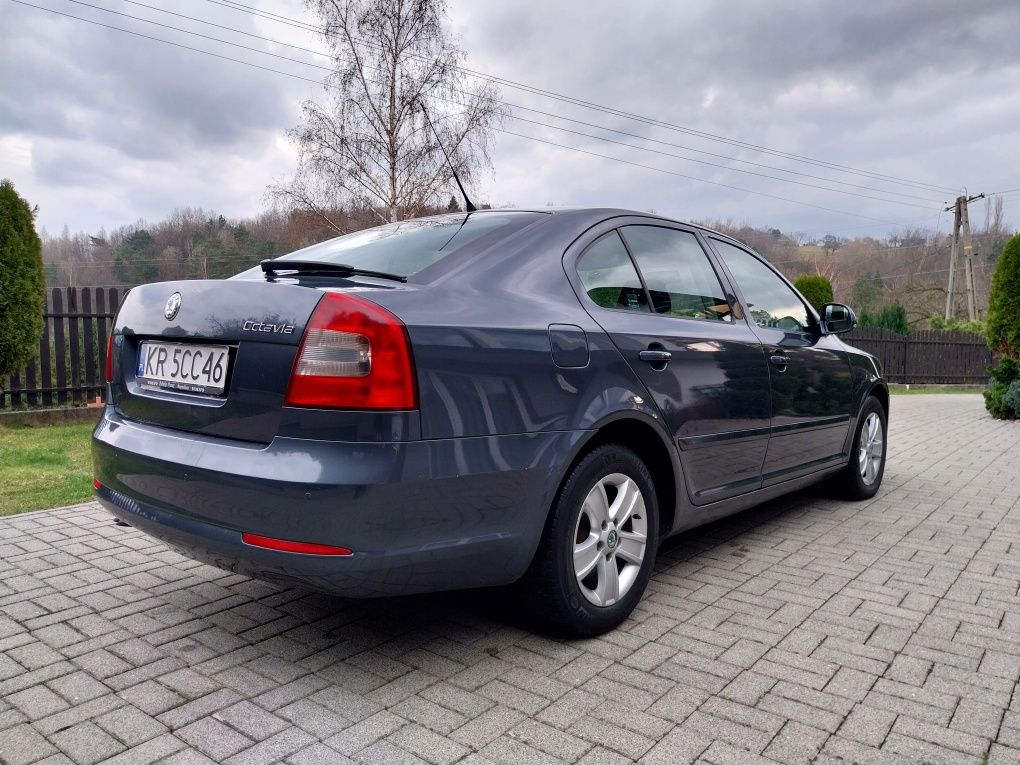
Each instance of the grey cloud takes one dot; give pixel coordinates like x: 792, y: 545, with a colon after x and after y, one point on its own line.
x: 146, y: 99
x: 123, y: 128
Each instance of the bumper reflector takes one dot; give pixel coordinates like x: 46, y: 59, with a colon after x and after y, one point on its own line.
x: 96, y: 485
x: 285, y: 545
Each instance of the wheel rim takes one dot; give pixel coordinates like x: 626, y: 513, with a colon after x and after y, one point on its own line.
x: 872, y: 449
x: 610, y: 539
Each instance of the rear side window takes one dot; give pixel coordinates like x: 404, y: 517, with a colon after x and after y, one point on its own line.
x: 410, y: 246
x: 609, y: 277
x: 677, y: 272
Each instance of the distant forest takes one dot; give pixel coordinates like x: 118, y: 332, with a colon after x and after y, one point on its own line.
x: 908, y: 269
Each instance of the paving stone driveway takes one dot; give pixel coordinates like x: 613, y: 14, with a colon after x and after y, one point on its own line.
x: 805, y: 630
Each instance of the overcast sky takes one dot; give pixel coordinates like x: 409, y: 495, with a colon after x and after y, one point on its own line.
x: 101, y: 128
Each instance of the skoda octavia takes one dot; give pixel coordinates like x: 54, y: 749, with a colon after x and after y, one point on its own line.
x: 472, y: 400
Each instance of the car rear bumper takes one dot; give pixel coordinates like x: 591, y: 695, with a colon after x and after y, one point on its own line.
x: 418, y: 516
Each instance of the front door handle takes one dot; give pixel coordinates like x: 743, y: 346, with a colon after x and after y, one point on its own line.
x: 780, y: 362
x: 655, y: 357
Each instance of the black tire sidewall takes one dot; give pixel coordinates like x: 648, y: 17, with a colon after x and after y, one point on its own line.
x: 859, y: 488
x: 582, y: 616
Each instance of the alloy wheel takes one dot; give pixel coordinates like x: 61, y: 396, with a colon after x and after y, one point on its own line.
x: 610, y: 539
x: 872, y: 450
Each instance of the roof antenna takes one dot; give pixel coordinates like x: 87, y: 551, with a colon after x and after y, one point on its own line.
x: 468, y: 207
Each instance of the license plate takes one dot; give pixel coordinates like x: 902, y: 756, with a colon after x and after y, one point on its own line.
x: 177, y: 366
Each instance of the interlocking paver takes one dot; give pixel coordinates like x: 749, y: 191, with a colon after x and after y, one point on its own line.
x: 808, y: 629
x: 21, y: 745
x: 86, y: 743
x: 37, y: 701
x: 213, y: 738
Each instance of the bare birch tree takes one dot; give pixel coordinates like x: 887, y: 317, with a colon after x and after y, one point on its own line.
x: 367, y: 144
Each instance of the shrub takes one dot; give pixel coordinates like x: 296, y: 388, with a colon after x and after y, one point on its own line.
x: 892, y: 317
x: 958, y: 325
x: 1011, y: 398
x: 1002, y: 396
x: 22, y: 287
x: 1004, y: 302
x: 817, y: 290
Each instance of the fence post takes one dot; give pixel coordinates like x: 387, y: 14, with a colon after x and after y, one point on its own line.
x: 74, y: 342
x: 59, y: 345
x: 91, y: 358
x: 45, y: 369
x: 905, y: 341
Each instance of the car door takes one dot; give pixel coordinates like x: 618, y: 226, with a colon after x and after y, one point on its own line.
x: 656, y: 293
x: 810, y: 372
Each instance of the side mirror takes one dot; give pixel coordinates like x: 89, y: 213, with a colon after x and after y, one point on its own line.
x: 837, y: 318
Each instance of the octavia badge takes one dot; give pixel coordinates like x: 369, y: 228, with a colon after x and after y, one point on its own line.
x: 173, y: 305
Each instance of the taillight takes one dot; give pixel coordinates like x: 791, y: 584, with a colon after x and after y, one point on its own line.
x: 109, y: 358
x: 354, y: 355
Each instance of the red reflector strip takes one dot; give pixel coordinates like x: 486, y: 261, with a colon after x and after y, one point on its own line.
x: 96, y: 485
x: 285, y: 545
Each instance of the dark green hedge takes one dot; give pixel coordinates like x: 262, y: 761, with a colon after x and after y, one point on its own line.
x: 1003, y: 328
x: 22, y: 287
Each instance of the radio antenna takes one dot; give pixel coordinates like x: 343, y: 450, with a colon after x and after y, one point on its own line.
x: 468, y: 207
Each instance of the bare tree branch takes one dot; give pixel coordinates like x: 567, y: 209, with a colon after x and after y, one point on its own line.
x: 367, y: 142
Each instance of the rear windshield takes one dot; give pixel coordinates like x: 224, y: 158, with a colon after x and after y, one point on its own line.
x: 410, y: 246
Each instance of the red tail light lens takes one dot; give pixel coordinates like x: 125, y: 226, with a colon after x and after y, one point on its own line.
x: 354, y: 355
x: 109, y: 358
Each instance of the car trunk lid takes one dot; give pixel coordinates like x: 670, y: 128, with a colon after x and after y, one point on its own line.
x: 251, y: 329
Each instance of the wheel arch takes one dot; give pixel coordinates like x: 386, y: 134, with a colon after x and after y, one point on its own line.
x: 880, y: 391
x: 645, y: 437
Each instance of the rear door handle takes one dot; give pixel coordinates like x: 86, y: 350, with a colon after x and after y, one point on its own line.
x: 781, y: 362
x: 660, y: 357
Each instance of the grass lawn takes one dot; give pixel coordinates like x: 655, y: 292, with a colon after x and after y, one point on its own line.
x: 44, y: 466
x: 922, y: 390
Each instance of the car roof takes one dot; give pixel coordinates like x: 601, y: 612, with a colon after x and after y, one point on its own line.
x: 593, y: 215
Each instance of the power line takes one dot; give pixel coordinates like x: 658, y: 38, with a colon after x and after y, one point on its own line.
x: 221, y: 26
x: 716, y: 164
x: 167, y: 42
x: 523, y: 119
x: 241, y: 7
x: 199, y: 34
x: 694, y: 178
x: 532, y: 138
x: 714, y: 154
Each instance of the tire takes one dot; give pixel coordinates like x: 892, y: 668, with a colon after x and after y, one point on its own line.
x: 862, y: 476
x: 609, y: 484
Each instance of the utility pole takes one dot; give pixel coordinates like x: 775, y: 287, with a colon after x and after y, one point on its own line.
x: 961, y: 224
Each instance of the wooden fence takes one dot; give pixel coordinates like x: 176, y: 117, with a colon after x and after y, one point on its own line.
x: 928, y: 356
x: 72, y: 351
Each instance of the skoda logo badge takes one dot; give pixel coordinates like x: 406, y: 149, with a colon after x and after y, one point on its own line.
x: 173, y: 305
x: 612, y: 539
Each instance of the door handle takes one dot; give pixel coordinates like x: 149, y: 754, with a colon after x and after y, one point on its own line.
x: 655, y: 357
x: 780, y: 362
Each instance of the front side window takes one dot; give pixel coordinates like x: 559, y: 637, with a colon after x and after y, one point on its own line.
x: 771, y: 300
x: 608, y: 275
x: 677, y: 272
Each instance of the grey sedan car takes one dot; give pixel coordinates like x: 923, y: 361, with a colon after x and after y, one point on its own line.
x: 504, y: 397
